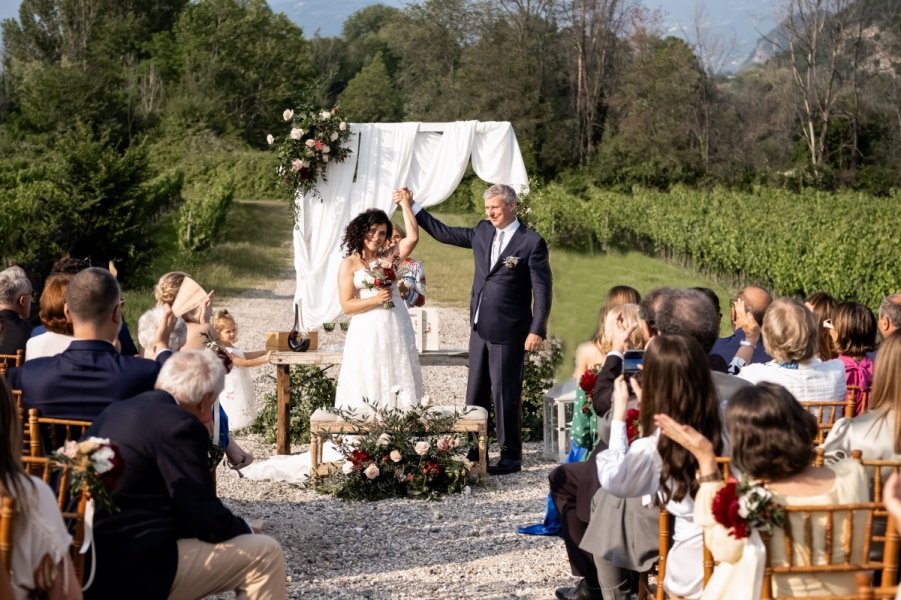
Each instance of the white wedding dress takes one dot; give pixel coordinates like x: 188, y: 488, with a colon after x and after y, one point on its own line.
x: 381, y: 363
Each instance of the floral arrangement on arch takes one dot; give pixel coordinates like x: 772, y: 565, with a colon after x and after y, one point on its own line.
x: 315, y: 137
x: 742, y: 508
x: 94, y: 463
x: 401, y: 453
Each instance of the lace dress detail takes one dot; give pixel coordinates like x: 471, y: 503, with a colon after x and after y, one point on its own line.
x: 380, y: 362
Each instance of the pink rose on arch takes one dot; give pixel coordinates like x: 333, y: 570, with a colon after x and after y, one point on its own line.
x: 296, y: 164
x: 310, y: 143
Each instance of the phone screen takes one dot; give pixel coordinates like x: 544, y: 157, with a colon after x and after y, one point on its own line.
x: 631, y: 361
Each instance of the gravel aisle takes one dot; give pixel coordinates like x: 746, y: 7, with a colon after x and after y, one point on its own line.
x: 461, y: 547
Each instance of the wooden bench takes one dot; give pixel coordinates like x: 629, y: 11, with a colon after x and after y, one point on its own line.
x: 323, y: 424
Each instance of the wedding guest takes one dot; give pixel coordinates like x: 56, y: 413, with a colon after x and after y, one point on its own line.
x: 171, y: 534
x: 41, y: 566
x: 853, y: 330
x: 194, y: 305
x: 58, y: 331
x: 822, y: 305
x: 591, y: 353
x: 676, y: 380
x: 90, y: 374
x: 755, y: 301
x: 412, y: 284
x: 790, y: 336
x: 771, y: 437
x: 16, y: 298
x: 876, y: 432
x: 889, y: 319
x: 148, y: 325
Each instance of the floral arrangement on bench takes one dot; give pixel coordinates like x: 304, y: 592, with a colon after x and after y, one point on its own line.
x: 401, y: 453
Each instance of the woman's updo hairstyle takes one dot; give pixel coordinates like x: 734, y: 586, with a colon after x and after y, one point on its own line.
x: 53, y: 301
x: 770, y: 432
x: 354, y: 235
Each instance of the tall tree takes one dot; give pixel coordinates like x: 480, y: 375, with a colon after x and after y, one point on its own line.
x: 370, y: 96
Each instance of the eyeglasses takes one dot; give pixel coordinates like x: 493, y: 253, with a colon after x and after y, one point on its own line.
x: 828, y: 324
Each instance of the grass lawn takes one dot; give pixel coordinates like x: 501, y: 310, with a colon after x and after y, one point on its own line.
x: 581, y: 282
x: 256, y: 246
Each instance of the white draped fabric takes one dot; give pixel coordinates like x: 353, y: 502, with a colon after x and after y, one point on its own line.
x: 430, y: 159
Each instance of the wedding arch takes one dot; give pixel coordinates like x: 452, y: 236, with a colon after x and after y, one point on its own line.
x: 429, y: 158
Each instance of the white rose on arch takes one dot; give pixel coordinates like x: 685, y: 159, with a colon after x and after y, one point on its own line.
x: 334, y: 136
x: 342, y: 126
x: 326, y: 115
x: 288, y: 114
x: 270, y: 139
x: 296, y: 133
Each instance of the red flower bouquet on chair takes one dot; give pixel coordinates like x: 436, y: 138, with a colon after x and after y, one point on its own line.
x: 741, y: 507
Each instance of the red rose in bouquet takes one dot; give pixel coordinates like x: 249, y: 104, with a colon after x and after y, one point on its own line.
x: 633, y: 425
x: 358, y: 457
x: 725, y: 511
x: 587, y: 381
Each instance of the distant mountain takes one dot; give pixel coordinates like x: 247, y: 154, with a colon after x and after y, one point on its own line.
x: 766, y: 48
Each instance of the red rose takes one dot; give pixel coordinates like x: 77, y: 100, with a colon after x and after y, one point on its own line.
x: 589, y: 378
x: 377, y: 283
x: 385, y: 459
x: 359, y: 456
x: 390, y: 275
x: 725, y: 511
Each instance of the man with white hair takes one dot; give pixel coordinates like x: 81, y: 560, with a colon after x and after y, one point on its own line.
x: 16, y: 298
x: 171, y: 537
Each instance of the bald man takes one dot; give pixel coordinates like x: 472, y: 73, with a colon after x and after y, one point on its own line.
x: 755, y: 300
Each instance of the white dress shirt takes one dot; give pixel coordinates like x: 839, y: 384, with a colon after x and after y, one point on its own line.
x: 814, y: 380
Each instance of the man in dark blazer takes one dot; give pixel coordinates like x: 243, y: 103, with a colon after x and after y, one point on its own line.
x: 509, y: 308
x: 171, y: 536
x: 81, y: 381
x: 16, y: 298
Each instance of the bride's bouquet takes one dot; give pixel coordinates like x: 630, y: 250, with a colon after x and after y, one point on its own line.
x: 401, y: 453
x: 381, y: 276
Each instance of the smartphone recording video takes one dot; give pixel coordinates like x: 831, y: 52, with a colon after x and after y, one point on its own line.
x: 631, y: 361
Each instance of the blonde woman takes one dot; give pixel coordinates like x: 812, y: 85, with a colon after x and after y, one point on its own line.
x: 591, y: 353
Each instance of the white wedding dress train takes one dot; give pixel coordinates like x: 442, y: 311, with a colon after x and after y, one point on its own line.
x: 380, y: 364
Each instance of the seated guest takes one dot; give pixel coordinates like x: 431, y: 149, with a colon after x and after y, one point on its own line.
x: 754, y: 300
x: 41, y: 567
x: 16, y: 298
x: 195, y: 306
x: 821, y: 305
x: 790, y: 337
x: 854, y: 336
x: 58, y: 331
x: 676, y: 380
x: 876, y: 432
x: 772, y: 440
x: 90, y: 374
x: 171, y: 536
x: 889, y: 319
x: 149, y: 324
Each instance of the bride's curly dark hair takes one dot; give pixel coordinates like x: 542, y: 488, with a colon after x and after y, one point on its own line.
x: 360, y: 225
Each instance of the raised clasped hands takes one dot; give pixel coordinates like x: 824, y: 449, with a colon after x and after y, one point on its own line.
x: 744, y: 320
x: 402, y: 195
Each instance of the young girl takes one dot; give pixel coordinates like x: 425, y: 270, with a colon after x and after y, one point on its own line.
x: 237, y: 397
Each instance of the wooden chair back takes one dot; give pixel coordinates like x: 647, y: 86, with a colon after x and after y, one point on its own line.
x: 855, y: 396
x: 43, y: 468
x: 7, y: 526
x: 866, y: 591
x: 50, y: 431
x: 11, y: 360
x: 827, y: 412
x: 855, y: 520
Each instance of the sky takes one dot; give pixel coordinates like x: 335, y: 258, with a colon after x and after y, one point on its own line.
x: 741, y: 20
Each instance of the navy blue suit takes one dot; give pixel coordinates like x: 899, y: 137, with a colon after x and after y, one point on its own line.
x: 727, y: 347
x: 84, y: 379
x: 166, y: 493
x: 513, y: 299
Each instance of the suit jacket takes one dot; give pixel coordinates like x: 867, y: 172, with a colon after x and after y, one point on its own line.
x: 166, y: 492
x: 14, y: 332
x: 511, y: 301
x: 727, y: 347
x: 83, y: 380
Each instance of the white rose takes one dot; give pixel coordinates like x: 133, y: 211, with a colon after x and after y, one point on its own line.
x: 383, y: 440
x: 326, y: 115
x: 396, y: 456
x: 296, y: 164
x: 422, y: 448
x: 326, y: 149
x: 425, y: 402
x: 270, y: 139
x: 334, y: 136
x: 325, y: 158
x: 288, y: 114
x: 342, y: 126
x: 310, y: 143
x: 347, y: 468
x: 296, y: 133
x: 371, y: 472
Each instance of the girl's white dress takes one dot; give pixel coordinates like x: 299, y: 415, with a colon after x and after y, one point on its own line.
x: 381, y: 363
x: 237, y: 396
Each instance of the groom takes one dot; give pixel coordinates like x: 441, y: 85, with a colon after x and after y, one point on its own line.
x: 512, y: 280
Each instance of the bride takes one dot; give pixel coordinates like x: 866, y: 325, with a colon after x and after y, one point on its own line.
x: 381, y: 363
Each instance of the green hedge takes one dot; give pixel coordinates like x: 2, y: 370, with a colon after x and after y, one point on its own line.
x: 843, y: 243
x: 200, y: 219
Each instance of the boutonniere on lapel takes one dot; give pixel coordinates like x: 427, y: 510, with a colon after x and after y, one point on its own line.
x: 511, y: 261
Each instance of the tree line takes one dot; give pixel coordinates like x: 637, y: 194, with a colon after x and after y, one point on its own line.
x: 596, y: 91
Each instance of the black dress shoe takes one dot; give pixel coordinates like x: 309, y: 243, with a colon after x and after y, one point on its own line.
x: 582, y: 591
x: 505, y: 466
x: 473, y: 455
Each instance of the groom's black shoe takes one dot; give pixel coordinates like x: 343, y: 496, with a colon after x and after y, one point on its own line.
x: 473, y: 455
x: 582, y: 591
x: 505, y: 466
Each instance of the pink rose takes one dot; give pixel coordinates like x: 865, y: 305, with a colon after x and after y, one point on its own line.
x: 371, y: 472
x: 288, y: 114
x: 296, y: 133
x: 422, y: 448
x: 396, y: 456
x: 70, y: 449
x: 310, y: 143
x: 296, y: 164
